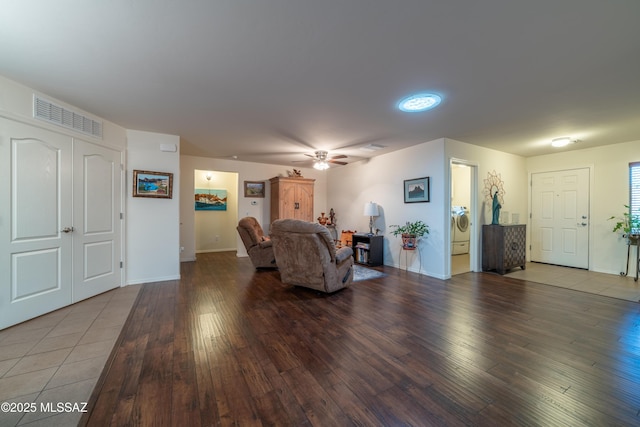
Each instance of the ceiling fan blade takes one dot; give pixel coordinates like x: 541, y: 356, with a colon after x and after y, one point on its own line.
x: 339, y: 156
x: 309, y: 155
x: 337, y: 162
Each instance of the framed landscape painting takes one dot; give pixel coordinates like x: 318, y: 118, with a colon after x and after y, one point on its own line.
x: 254, y: 189
x: 210, y: 200
x: 416, y: 190
x: 158, y: 185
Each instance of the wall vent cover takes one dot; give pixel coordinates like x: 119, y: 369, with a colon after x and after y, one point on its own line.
x: 52, y: 113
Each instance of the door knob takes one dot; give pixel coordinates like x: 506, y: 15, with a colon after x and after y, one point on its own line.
x: 583, y: 224
x: 67, y: 230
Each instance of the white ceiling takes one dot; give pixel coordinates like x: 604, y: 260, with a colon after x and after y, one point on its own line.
x: 270, y: 80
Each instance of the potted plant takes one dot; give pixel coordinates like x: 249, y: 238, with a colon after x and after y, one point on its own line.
x: 410, y: 233
x: 629, y: 224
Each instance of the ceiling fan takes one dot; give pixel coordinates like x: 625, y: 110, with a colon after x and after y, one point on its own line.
x: 321, y: 160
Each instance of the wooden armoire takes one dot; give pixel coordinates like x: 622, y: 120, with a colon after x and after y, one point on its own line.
x: 292, y: 198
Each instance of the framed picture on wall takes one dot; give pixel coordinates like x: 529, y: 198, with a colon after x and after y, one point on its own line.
x: 416, y: 190
x: 158, y: 185
x: 210, y: 200
x: 254, y: 189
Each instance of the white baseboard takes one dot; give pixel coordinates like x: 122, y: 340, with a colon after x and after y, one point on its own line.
x: 153, y: 279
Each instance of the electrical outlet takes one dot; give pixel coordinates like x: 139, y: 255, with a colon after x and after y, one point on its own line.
x: 217, y: 238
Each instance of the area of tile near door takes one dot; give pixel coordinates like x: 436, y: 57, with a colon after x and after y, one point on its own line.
x: 609, y: 285
x: 58, y: 357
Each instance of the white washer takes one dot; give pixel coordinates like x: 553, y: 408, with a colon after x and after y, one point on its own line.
x: 461, y: 232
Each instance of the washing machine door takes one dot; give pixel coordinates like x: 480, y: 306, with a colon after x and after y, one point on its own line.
x: 462, y: 222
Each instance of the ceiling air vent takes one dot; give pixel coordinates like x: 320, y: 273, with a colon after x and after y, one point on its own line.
x: 52, y: 113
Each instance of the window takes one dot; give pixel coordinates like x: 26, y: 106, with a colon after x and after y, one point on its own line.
x: 634, y: 196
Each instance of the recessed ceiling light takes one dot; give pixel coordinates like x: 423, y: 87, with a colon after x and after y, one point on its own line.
x: 419, y: 102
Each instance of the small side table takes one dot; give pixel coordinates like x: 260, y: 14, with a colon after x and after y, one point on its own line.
x: 368, y: 250
x: 406, y: 255
x: 632, y: 242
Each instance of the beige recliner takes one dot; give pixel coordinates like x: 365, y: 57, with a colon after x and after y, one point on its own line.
x: 306, y: 255
x: 258, y: 245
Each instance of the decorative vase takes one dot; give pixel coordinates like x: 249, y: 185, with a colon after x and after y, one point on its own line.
x: 409, y: 242
x: 323, y: 219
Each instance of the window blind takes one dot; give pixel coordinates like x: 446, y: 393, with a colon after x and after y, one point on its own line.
x: 634, y: 192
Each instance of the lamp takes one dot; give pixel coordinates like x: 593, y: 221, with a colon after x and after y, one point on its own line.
x: 371, y: 210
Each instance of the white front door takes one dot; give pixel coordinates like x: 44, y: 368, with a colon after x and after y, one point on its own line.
x: 35, y: 200
x: 97, y: 206
x: 560, y: 217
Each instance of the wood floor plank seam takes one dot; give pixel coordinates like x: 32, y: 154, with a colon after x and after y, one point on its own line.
x: 229, y: 345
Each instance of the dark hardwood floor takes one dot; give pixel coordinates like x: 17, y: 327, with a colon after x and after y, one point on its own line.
x: 227, y: 345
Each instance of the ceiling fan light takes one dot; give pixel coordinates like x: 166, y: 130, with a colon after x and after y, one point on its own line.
x: 321, y: 165
x: 561, y: 142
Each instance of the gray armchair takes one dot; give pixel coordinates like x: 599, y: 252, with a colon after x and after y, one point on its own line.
x: 258, y: 246
x: 306, y: 255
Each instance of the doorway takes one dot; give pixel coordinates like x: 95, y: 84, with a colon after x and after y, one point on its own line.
x: 61, y: 206
x: 463, y: 213
x: 215, y: 223
x: 560, y: 217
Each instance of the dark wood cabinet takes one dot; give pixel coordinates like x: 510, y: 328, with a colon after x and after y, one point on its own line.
x: 503, y: 247
x: 367, y: 250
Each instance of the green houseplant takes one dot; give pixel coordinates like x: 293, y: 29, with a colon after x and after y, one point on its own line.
x: 629, y: 224
x: 410, y: 232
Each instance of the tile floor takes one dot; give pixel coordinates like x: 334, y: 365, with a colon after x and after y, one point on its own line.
x: 609, y: 285
x: 58, y: 357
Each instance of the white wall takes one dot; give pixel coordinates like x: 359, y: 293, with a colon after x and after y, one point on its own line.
x: 609, y: 193
x: 153, y: 234
x: 381, y: 180
x: 247, y: 171
x: 512, y: 171
x: 460, y: 186
x: 215, y: 231
x: 16, y: 102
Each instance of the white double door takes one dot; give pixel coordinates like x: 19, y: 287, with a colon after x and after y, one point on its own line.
x: 560, y: 217
x: 60, y: 226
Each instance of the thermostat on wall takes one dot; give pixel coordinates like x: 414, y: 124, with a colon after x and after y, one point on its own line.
x: 254, y: 202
